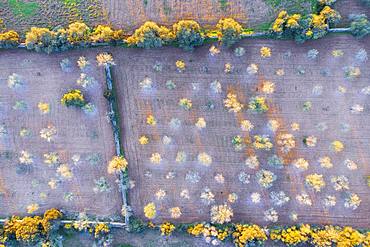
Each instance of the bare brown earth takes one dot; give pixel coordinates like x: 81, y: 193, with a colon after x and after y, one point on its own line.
x: 132, y: 13
x: 350, y: 7
x: 53, y: 13
x: 292, y: 90
x: 77, y: 134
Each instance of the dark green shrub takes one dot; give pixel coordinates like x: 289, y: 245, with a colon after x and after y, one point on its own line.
x: 366, y: 2
x: 360, y: 26
x: 136, y: 225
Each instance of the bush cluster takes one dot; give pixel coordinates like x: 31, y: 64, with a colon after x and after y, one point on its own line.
x: 77, y: 34
x: 186, y: 34
x: 30, y: 229
x: 302, y: 28
x: 9, y: 39
x: 360, y: 26
x: 73, y: 97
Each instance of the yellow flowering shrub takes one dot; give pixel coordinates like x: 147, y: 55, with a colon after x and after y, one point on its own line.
x: 38, y: 37
x: 151, y: 120
x: 229, y: 31
x: 185, y: 103
x: 104, y: 59
x: 325, y: 237
x: 117, y: 164
x: 180, y: 65
x: 28, y: 228
x: 73, y: 97
x: 329, y: 14
x: 232, y: 104
x: 244, y: 235
x: 337, y: 146
x: 78, y: 32
x: 349, y: 237
x: 196, y: 230
x: 104, y: 33
x: 265, y: 52
x: 43, y: 107
x: 101, y: 229
x: 188, y: 34
x: 258, y: 104
x: 316, y: 181
x: 9, y: 39
x: 50, y: 215
x: 293, y: 235
x: 300, y: 28
x: 150, y: 35
x: 262, y: 142
x: 143, y: 140
x: 284, y: 20
x: 150, y: 210
x: 25, y: 229
x: 292, y: 20
x: 43, y: 39
x: 167, y: 228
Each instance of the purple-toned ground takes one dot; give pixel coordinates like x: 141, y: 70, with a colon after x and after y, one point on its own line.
x: 320, y: 81
x: 84, y: 142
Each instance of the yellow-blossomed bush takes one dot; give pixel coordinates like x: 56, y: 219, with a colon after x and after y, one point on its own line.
x: 45, y: 40
x: 167, y: 228
x: 302, y: 28
x: 292, y: 236
x: 30, y: 229
x: 229, y: 31
x: 258, y: 104
x: 104, y: 33
x: 73, y: 97
x: 150, y: 35
x: 117, y: 164
x: 150, y: 211
x: 100, y: 230
x: 78, y: 33
x: 188, y: 34
x: 9, y: 39
x: 248, y: 235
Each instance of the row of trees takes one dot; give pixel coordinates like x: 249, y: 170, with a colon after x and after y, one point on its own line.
x: 302, y: 28
x: 186, y: 34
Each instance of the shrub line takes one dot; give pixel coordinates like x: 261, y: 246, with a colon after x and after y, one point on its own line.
x: 343, y: 30
x: 116, y: 134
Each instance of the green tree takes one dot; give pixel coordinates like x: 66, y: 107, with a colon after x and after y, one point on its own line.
x: 360, y: 26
